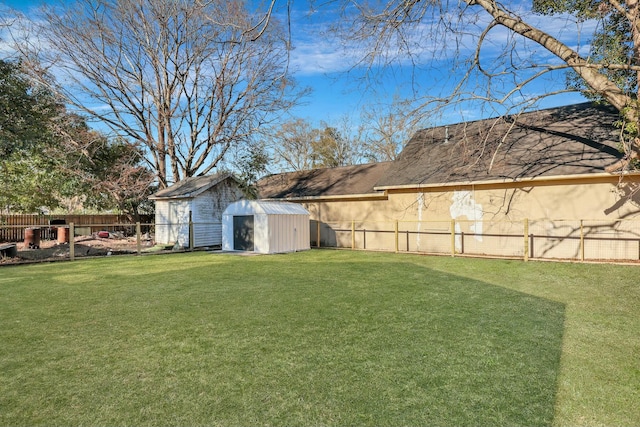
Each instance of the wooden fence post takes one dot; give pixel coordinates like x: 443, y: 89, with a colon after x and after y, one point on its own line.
x: 581, y: 240
x: 526, y: 239
x: 396, y: 235
x: 353, y: 234
x: 408, y: 246
x: 72, y: 246
x: 138, y: 238
x: 318, y: 224
x: 453, y: 237
x: 191, y: 245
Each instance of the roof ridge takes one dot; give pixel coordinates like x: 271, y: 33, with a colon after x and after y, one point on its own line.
x: 524, y: 113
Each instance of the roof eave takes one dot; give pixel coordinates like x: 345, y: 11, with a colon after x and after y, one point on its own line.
x: 342, y: 197
x: 525, y: 180
x: 197, y: 192
x: 182, y: 196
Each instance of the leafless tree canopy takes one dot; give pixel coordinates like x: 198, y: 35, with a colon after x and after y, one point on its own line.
x: 292, y: 145
x: 184, y: 78
x: 386, y: 128
x: 297, y: 145
x: 501, y: 48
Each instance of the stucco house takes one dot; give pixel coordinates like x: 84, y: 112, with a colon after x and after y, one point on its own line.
x: 547, y: 170
x: 200, y: 200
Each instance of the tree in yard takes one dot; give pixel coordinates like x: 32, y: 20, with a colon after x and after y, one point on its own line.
x: 501, y: 50
x: 292, y: 144
x: 333, y: 148
x: 27, y: 112
x: 298, y: 145
x: 48, y: 154
x: 109, y: 173
x: 186, y: 80
x: 250, y: 164
x: 386, y: 128
x: 24, y: 110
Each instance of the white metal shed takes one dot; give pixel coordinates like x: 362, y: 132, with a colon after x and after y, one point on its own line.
x: 265, y: 227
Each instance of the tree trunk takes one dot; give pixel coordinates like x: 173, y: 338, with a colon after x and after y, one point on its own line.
x: 597, y: 81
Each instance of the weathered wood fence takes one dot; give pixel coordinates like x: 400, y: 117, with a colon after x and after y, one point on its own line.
x: 579, y: 240
x: 12, y: 227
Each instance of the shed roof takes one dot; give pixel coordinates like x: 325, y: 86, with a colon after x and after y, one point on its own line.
x: 191, y: 187
x: 265, y: 207
x: 570, y: 140
x: 346, y: 180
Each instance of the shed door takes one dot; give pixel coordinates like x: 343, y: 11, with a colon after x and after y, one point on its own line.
x: 243, y: 233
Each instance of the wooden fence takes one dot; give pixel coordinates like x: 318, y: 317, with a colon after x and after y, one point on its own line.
x: 579, y: 240
x: 12, y: 227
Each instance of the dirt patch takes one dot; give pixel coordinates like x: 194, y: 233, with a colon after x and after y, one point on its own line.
x: 84, y: 246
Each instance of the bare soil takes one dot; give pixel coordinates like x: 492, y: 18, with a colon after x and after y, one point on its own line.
x: 85, y: 246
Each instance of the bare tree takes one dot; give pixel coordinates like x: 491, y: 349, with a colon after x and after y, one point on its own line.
x: 501, y: 50
x: 338, y: 143
x: 186, y: 79
x: 298, y: 145
x: 386, y: 128
x: 293, y: 144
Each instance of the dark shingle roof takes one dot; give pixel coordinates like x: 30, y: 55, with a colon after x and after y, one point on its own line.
x: 191, y: 187
x: 570, y: 140
x: 347, y: 180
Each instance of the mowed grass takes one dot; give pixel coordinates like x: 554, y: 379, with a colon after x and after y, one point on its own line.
x: 318, y: 338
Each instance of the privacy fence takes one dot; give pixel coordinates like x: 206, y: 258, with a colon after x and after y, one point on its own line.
x: 579, y: 240
x: 13, y: 227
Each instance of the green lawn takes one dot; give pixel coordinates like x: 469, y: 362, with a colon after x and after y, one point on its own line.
x: 319, y: 338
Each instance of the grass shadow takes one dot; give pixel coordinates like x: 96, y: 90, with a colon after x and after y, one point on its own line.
x: 282, y: 340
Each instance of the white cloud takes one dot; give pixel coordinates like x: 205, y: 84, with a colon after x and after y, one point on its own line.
x: 317, y: 53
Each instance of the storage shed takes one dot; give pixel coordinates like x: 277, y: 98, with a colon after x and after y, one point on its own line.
x: 197, y: 200
x: 265, y: 227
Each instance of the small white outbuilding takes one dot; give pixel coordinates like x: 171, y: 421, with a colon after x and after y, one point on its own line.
x: 265, y: 227
x: 196, y: 202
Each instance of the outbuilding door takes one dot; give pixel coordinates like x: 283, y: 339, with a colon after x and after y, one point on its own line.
x: 243, y: 233
x: 178, y: 223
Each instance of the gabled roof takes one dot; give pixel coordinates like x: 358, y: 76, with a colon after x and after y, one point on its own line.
x: 571, y: 140
x: 191, y: 187
x: 341, y: 181
x: 574, y: 140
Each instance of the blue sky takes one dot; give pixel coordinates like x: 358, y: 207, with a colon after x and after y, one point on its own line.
x: 339, y: 89
x: 319, y: 63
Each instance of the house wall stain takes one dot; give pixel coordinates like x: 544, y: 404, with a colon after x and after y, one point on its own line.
x: 464, y: 206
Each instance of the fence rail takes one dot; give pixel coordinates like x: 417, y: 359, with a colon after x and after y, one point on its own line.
x: 68, y: 241
x: 12, y: 227
x: 579, y: 240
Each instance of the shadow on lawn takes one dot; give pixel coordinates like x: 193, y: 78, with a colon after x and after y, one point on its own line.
x: 506, y: 348
x: 453, y: 351
x: 341, y: 339
x: 390, y: 342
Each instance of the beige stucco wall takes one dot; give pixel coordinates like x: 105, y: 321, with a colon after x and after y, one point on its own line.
x: 545, y: 208
x: 595, y: 199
